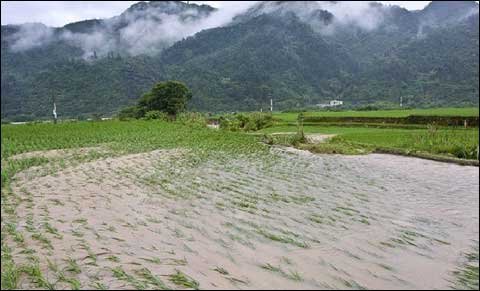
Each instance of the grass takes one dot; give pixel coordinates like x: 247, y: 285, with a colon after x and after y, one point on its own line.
x: 73, y: 282
x: 364, y: 138
x: 43, y: 239
x: 281, y: 238
x: 183, y: 280
x: 72, y: 266
x: 292, y: 275
x: 120, y: 274
x: 468, y: 111
x: 467, y: 274
x: 11, y: 229
x: 221, y: 270
x: 132, y: 136
x: 36, y: 276
x: 454, y: 142
x: 152, y: 279
x: 99, y: 286
x: 10, y: 272
x: 51, y: 229
x: 113, y: 258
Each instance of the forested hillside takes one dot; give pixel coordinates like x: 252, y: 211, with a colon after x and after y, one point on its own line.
x: 297, y: 53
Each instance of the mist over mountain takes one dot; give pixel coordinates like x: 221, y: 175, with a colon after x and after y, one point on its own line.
x: 144, y: 28
x: 298, y: 53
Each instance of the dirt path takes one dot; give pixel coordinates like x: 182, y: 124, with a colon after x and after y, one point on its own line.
x: 294, y: 221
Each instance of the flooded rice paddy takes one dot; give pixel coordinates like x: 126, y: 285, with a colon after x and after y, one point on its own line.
x: 293, y: 221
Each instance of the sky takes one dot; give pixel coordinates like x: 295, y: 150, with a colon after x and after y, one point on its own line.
x: 59, y: 13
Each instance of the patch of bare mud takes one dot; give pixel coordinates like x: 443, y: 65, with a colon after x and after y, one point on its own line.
x: 293, y: 221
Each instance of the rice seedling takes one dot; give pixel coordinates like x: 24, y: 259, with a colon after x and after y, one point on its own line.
x: 152, y: 279
x: 120, y: 274
x: 72, y: 266
x: 292, y: 275
x: 221, y: 270
x: 183, y: 280
x: 43, y: 239
x: 113, y: 258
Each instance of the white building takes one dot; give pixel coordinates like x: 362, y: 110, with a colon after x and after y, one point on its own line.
x: 332, y: 103
x: 336, y: 103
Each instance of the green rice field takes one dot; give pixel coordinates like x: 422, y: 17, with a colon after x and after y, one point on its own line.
x: 468, y: 111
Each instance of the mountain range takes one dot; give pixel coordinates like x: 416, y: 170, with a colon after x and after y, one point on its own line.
x: 296, y: 53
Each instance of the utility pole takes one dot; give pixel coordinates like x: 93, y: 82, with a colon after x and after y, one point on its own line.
x: 54, y: 112
x: 401, y: 101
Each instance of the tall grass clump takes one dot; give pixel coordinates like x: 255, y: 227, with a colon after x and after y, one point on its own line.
x: 155, y: 114
x: 194, y: 119
x: 246, y: 121
x: 458, y: 143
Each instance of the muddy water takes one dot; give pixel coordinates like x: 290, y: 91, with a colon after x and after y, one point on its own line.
x: 296, y: 221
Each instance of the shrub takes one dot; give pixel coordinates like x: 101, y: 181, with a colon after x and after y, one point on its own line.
x: 156, y: 114
x: 246, y: 122
x: 131, y: 112
x: 229, y: 123
x: 192, y: 118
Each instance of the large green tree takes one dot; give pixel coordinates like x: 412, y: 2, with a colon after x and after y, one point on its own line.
x: 170, y: 97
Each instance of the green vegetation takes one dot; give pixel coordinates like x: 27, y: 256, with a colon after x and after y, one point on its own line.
x: 152, y: 279
x: 282, y: 238
x: 292, y: 275
x: 170, y: 97
x: 467, y: 111
x: 118, y: 138
x: 361, y: 138
x: 120, y: 274
x: 245, y: 122
x: 183, y: 280
x: 460, y: 143
x: 166, y: 99
x: 132, y: 136
x: 135, y: 136
x: 467, y: 275
x: 226, y: 69
x: 155, y: 114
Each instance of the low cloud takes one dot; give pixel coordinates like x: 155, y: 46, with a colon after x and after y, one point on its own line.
x: 31, y: 35
x: 145, y: 30
x: 148, y: 28
x: 364, y: 15
x: 325, y: 16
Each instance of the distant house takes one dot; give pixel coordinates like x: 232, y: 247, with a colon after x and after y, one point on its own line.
x: 336, y: 103
x: 332, y: 103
